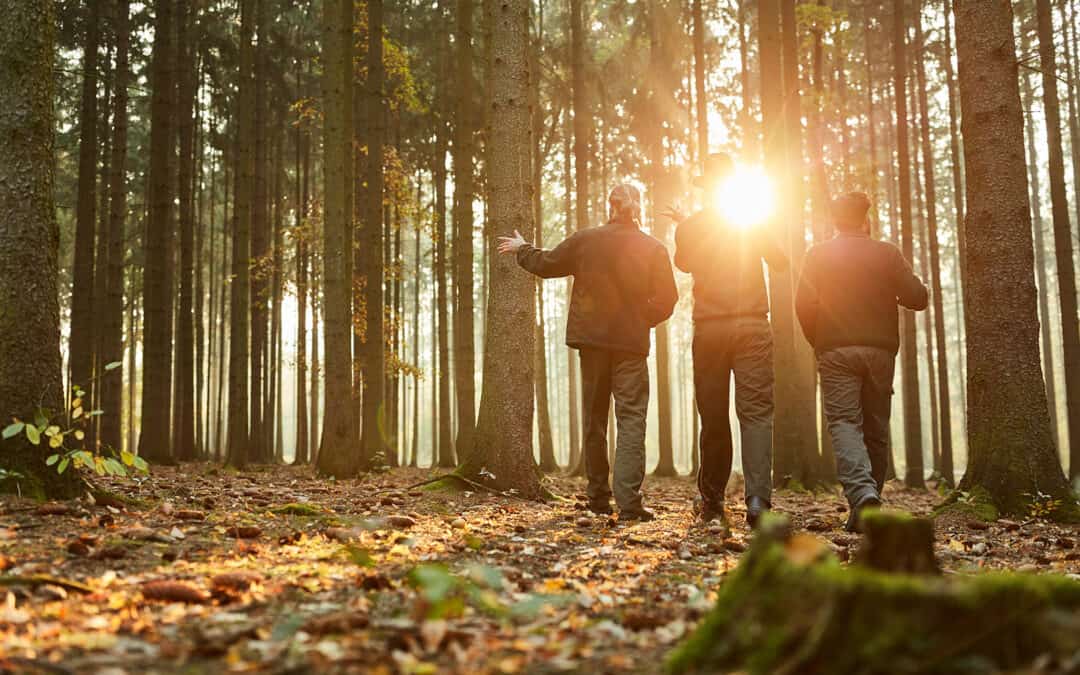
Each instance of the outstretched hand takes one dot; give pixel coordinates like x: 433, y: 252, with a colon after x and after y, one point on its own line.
x: 508, y: 245
x: 674, y: 213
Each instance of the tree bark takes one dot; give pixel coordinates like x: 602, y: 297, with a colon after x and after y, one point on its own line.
x: 464, y: 194
x: 936, y: 292
x: 112, y: 327
x: 81, y: 343
x: 154, y: 439
x: 504, y: 425
x: 1063, y: 242
x: 909, y: 353
x: 1011, y: 448
x: 29, y: 246
x: 339, y: 452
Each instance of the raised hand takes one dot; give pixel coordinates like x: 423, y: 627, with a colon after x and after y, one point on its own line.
x: 508, y: 245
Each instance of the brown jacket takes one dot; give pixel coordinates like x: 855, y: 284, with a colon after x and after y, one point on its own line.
x: 623, y: 285
x: 850, y: 288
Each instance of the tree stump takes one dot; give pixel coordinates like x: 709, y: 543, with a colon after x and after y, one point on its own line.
x: 897, y: 542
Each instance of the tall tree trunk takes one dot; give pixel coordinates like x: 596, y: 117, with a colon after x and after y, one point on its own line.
x: 909, y: 353
x: 700, y: 97
x: 1041, y: 261
x: 1063, y: 243
x: 29, y: 245
x: 239, y: 434
x: 373, y: 356
x: 112, y: 325
x: 464, y: 194
x: 301, y: 236
x: 260, y: 235
x: 81, y: 343
x: 504, y: 424
x: 154, y: 439
x: 1011, y: 447
x: 314, y: 433
x: 339, y: 452
x: 660, y: 87
x: 944, y: 398
x: 272, y: 415
x: 444, y: 455
x: 548, y: 462
x: 184, y: 424
x: 1071, y: 75
x: 575, y: 458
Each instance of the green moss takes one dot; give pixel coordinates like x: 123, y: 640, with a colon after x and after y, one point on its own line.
x: 973, y: 505
x: 777, y: 614
x: 297, y: 509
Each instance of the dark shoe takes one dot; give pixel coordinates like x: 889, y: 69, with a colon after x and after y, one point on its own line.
x: 601, y: 507
x: 755, y: 506
x: 854, y: 522
x: 639, y: 515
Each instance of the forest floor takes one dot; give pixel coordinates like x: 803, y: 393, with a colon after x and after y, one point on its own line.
x: 276, y: 570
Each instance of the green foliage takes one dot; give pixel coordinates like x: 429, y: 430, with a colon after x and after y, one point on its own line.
x: 446, y: 594
x: 66, y: 435
x: 974, y: 504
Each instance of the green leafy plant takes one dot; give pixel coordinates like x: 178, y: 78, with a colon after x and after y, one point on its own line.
x: 67, y: 436
x: 1042, y: 505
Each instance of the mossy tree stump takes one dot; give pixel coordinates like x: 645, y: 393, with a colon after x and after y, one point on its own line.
x: 897, y: 542
x: 791, y: 607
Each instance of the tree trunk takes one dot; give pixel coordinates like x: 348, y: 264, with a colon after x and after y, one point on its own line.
x: 239, y: 450
x: 81, y: 343
x: 700, y: 97
x: 660, y: 88
x: 505, y: 421
x: 302, y: 233
x: 464, y: 194
x: 339, y: 452
x: 154, y: 439
x: 909, y: 353
x: 184, y: 424
x: 1041, y: 275
x: 29, y: 246
x: 936, y: 292
x: 575, y: 458
x: 112, y: 326
x: 1063, y: 243
x: 1011, y: 448
x: 373, y: 356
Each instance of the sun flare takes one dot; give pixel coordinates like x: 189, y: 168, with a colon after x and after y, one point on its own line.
x: 746, y: 198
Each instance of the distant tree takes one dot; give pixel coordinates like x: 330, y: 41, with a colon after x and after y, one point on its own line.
x: 1063, y: 237
x: 30, y: 364
x: 155, y: 442
x: 81, y: 344
x: 339, y: 451
x: 240, y: 286
x: 1011, y: 448
x: 909, y: 352
x: 503, y: 453
x: 112, y: 323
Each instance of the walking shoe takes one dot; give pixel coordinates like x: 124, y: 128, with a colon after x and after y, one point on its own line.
x: 639, y: 514
x: 854, y: 522
x: 601, y: 507
x: 755, y: 506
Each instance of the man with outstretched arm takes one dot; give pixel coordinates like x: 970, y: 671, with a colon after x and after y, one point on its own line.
x: 847, y: 302
x: 732, y: 336
x: 623, y: 287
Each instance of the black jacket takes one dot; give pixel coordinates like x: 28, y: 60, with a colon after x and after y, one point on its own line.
x: 623, y: 285
x: 729, y: 280
x: 849, y: 292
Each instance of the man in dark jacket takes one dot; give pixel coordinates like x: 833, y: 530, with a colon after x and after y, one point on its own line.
x: 847, y: 304
x: 732, y: 335
x: 623, y: 287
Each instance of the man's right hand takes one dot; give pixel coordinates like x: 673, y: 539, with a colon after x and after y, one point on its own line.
x: 510, y: 245
x: 674, y: 213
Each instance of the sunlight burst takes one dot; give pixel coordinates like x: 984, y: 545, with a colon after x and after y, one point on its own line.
x: 746, y: 198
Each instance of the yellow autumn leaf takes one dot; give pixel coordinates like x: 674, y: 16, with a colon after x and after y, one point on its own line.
x: 79, y: 435
x: 77, y: 413
x: 77, y: 403
x: 56, y: 441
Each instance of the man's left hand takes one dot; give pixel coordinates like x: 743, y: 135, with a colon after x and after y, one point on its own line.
x: 510, y: 245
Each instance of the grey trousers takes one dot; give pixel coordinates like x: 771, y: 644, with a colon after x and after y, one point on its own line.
x: 741, y: 346
x: 624, y: 377
x: 856, y: 389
